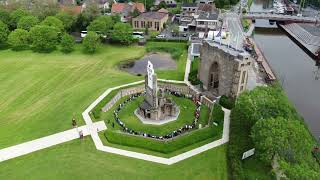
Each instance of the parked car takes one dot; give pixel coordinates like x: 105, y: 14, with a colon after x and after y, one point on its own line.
x: 83, y: 34
x: 160, y: 36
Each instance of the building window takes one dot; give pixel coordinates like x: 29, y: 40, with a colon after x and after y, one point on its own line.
x: 243, y: 77
x: 214, y: 76
x: 249, y: 63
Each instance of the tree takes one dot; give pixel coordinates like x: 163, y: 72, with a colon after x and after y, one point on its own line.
x: 288, y: 143
x: 4, y: 32
x: 67, y: 43
x: 5, y: 16
x: 15, y: 17
x: 135, y: 13
x: 53, y: 22
x: 102, y: 24
x: 44, y: 38
x: 91, y: 42
x: 116, y: 18
x: 122, y: 33
x: 162, y: 4
x: 91, y: 12
x: 281, y: 137
x: 67, y: 19
x: 44, y: 8
x: 19, y: 39
x: 27, y: 22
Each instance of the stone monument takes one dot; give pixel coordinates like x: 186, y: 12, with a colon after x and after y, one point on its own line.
x: 156, y: 107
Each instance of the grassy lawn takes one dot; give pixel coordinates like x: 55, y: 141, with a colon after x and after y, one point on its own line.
x: 186, y: 116
x: 81, y: 160
x: 40, y: 93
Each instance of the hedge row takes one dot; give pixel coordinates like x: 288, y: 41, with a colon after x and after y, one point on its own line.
x: 163, y: 146
x: 217, y: 114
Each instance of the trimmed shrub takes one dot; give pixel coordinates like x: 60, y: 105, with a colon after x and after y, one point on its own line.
x: 226, y: 102
x: 4, y: 32
x: 163, y: 146
x: 19, y: 39
x: 43, y: 38
x: 67, y: 43
x: 27, y: 22
x: 217, y: 113
x: 91, y: 42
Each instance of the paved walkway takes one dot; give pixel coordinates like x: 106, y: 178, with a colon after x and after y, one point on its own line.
x: 48, y: 141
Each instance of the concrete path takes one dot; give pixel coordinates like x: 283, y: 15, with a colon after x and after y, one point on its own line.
x: 48, y: 141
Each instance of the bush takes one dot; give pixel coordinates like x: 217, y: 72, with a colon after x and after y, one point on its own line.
x: 27, y: 22
x: 226, y: 102
x: 163, y: 146
x: 67, y: 43
x: 53, y: 22
x: 19, y: 39
x: 43, y: 38
x: 175, y: 52
x: 67, y: 19
x: 4, y: 32
x: 15, y: 17
x: 91, y: 42
x: 217, y: 113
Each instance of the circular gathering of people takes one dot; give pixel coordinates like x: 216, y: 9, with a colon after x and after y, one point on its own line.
x: 174, y: 133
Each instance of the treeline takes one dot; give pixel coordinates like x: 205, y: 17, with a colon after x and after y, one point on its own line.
x: 265, y: 120
x: 37, y: 26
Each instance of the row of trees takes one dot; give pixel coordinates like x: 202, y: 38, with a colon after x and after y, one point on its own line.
x: 265, y: 120
x: 22, y: 30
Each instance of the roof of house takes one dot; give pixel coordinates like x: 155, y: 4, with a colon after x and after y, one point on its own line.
x: 152, y: 15
x: 71, y: 9
x: 208, y: 16
x: 162, y: 10
x: 205, y: 7
x: 122, y: 7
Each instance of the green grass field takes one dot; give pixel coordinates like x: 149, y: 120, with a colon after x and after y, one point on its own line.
x: 39, y: 95
x: 80, y: 160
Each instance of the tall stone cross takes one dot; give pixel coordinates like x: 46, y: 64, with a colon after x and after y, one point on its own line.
x: 151, y: 86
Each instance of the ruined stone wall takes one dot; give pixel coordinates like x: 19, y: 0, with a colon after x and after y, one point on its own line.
x: 227, y: 69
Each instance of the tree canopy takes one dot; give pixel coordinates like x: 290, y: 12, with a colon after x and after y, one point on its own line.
x: 53, y: 22
x: 4, y: 32
x: 16, y: 15
x: 27, y: 22
x: 67, y: 19
x: 102, y: 24
x: 91, y: 42
x: 67, y: 43
x: 19, y: 39
x: 44, y: 38
x: 122, y: 33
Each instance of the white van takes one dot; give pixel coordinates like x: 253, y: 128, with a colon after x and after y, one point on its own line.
x: 83, y: 34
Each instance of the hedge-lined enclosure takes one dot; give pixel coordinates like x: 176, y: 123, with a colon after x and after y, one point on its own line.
x: 164, y: 146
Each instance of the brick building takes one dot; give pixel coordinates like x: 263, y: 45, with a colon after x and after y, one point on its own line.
x: 154, y: 21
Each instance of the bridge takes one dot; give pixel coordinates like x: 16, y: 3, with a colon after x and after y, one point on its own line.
x: 278, y: 17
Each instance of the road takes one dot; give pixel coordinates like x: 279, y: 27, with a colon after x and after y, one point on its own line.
x: 233, y: 24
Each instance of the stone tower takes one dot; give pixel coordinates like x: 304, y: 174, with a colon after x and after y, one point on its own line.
x: 151, y: 86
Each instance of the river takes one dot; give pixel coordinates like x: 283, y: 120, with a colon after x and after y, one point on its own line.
x: 295, y: 70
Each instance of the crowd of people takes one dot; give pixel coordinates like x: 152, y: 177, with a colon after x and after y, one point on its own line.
x: 175, y: 133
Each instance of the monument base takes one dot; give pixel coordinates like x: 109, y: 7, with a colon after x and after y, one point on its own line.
x: 162, y: 121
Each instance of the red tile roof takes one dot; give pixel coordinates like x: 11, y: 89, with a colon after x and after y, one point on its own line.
x: 71, y: 9
x: 121, y: 7
x: 162, y: 10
